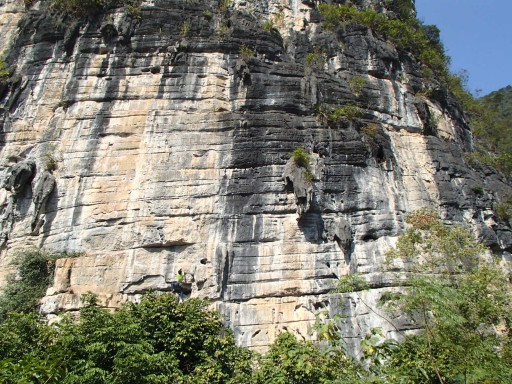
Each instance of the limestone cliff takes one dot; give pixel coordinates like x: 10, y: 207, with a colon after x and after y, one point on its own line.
x: 161, y: 139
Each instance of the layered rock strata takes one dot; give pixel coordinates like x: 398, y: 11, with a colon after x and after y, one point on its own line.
x: 162, y: 140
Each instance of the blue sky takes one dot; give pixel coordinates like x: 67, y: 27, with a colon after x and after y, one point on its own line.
x: 477, y: 34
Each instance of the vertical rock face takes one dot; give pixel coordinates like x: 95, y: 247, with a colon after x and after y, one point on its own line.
x: 163, y: 141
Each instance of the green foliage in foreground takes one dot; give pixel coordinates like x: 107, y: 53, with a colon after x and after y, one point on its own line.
x: 292, y: 361
x: 156, y: 341
x: 459, y: 300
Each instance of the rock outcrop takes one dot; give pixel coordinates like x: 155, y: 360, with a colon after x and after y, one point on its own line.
x: 173, y: 129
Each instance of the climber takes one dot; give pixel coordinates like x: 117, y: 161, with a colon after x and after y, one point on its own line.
x: 177, y: 286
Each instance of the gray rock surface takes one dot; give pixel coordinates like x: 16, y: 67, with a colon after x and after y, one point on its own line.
x: 42, y: 191
x: 172, y: 149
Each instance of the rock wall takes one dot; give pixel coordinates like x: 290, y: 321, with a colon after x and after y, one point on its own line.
x: 162, y: 140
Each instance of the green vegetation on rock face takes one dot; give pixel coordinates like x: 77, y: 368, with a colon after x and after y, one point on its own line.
x: 490, y: 117
x: 4, y: 73
x: 404, y: 9
x: 79, y: 8
x: 25, y: 288
x: 407, y: 34
x: 301, y: 157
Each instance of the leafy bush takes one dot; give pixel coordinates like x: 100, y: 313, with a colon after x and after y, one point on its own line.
x: 370, y: 131
x: 504, y: 209
x: 4, y: 72
x: 491, y: 122
x: 156, y: 341
x: 459, y: 298
x: 50, y: 161
x: 301, y: 157
x: 404, y: 9
x: 316, y: 59
x: 356, y: 85
x: 274, y: 22
x: 432, y: 246
x: 28, y: 285
x: 246, y: 53
x: 333, y: 116
x: 81, y: 8
x: 501, y: 162
x: 348, y: 111
x: 478, y: 190
x: 224, y: 5
x: 185, y: 28
x: 222, y: 30
x: 309, y: 176
x: 351, y: 283
x: 293, y: 361
x: 208, y: 14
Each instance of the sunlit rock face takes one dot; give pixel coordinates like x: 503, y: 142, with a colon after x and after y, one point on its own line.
x: 160, y: 141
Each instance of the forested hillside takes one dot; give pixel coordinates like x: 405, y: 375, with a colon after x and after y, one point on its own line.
x: 491, y: 120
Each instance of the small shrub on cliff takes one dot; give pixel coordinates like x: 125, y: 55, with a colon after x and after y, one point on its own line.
x: 185, y: 28
x: 316, y: 59
x: 28, y: 285
x: 301, y: 157
x: 49, y: 159
x: 348, y: 111
x: 370, y: 131
x: 504, y: 209
x: 351, y: 283
x: 246, y: 53
x: 81, y: 7
x: 224, y: 5
x: 133, y: 8
x: 208, y: 14
x: 274, y: 22
x: 333, y: 116
x: 4, y: 72
x: 356, y: 85
x: 478, y: 190
x: 403, y: 8
x: 222, y: 30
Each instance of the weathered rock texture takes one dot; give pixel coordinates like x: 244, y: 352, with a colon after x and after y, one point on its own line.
x: 173, y: 151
